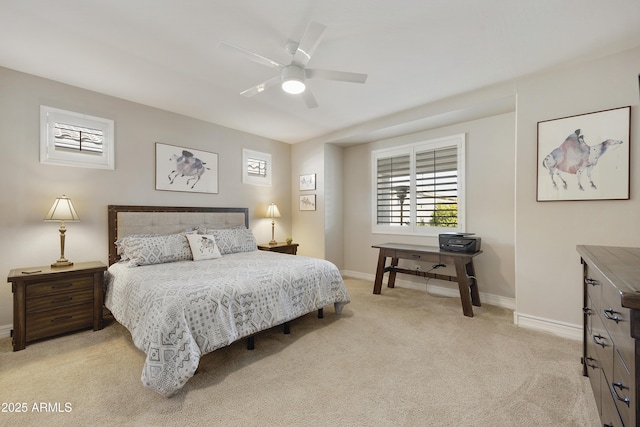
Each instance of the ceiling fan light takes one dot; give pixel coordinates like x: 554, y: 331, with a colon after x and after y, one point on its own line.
x: 293, y: 86
x: 293, y: 79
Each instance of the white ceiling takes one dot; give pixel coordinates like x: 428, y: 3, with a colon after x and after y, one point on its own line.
x: 164, y: 53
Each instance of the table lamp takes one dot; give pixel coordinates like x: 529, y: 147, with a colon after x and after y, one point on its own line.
x: 62, y: 210
x: 273, y: 212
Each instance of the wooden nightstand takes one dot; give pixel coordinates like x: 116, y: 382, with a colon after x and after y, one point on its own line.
x: 284, y: 248
x: 52, y: 301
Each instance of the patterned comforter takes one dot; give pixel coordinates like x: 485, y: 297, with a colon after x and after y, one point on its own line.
x: 179, y: 311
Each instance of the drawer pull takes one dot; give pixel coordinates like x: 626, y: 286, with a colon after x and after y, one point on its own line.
x: 55, y: 301
x: 592, y: 282
x: 596, y: 339
x: 591, y: 365
x: 615, y: 392
x: 415, y: 256
x: 59, y: 319
x: 611, y: 315
x: 61, y: 285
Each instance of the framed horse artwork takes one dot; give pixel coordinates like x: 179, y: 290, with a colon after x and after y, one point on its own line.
x: 186, y: 169
x: 584, y: 157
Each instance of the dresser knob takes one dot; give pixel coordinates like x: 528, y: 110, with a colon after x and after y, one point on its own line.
x: 596, y: 340
x: 591, y: 365
x: 611, y: 315
x: 614, y: 388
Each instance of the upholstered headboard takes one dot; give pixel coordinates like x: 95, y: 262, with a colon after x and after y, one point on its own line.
x: 128, y: 220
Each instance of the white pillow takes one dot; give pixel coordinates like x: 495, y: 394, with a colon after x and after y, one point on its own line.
x: 203, y: 246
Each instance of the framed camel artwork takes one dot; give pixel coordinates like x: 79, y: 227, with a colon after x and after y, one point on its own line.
x: 186, y: 169
x: 584, y: 157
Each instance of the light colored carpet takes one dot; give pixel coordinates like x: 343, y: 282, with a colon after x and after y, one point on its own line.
x: 403, y: 358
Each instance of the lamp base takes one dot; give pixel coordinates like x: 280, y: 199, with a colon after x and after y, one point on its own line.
x: 273, y: 242
x: 62, y: 262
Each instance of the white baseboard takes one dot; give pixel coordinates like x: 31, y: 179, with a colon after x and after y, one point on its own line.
x: 5, y: 331
x: 562, y: 329
x: 565, y: 330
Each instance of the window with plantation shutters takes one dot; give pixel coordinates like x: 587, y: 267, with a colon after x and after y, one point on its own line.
x: 76, y: 139
x: 393, y: 180
x: 419, y: 188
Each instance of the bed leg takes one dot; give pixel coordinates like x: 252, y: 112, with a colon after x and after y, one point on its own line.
x: 251, y: 343
x: 321, y: 313
x: 286, y: 328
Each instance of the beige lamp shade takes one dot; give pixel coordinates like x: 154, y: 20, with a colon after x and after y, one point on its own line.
x: 272, y: 211
x: 62, y: 210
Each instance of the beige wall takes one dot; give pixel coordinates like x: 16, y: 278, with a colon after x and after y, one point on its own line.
x: 30, y: 188
x: 333, y: 204
x: 308, y: 226
x: 548, y: 270
x: 490, y: 168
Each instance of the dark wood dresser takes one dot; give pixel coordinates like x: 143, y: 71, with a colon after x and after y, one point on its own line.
x: 51, y: 301
x: 612, y: 330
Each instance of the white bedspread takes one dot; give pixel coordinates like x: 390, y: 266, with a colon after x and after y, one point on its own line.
x: 178, y: 311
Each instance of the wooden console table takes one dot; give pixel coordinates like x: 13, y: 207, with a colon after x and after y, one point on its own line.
x: 463, y: 262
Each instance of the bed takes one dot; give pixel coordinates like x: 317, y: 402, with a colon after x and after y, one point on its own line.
x: 187, y: 281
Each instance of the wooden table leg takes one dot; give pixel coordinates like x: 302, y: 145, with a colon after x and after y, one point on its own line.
x: 464, y: 287
x: 392, y: 273
x: 377, y: 285
x: 475, y: 293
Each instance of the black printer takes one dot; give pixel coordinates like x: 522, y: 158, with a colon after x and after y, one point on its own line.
x: 459, y: 242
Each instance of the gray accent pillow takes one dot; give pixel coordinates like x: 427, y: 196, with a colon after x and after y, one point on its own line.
x: 232, y: 240
x: 147, y: 249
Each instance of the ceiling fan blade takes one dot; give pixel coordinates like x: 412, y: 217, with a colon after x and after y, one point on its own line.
x: 250, y: 55
x: 309, y: 99
x: 261, y: 87
x: 342, y: 76
x: 308, y: 43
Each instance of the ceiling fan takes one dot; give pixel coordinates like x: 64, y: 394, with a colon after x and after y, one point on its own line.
x: 293, y: 76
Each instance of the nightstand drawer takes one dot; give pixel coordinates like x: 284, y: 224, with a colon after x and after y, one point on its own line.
x: 68, y: 284
x: 55, y: 301
x: 54, y: 322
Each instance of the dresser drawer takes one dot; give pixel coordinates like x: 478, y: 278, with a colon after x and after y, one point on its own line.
x: 54, y: 322
x: 67, y: 284
x: 603, y: 345
x: 594, y: 282
x: 416, y: 256
x: 594, y: 371
x: 618, y: 322
x: 622, y: 389
x: 55, y: 301
x: 609, y: 415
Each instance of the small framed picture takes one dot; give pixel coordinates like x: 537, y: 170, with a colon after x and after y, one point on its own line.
x: 308, y: 182
x: 308, y: 202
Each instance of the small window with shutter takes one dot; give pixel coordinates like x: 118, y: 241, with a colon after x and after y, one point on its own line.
x: 256, y: 167
x: 75, y: 139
